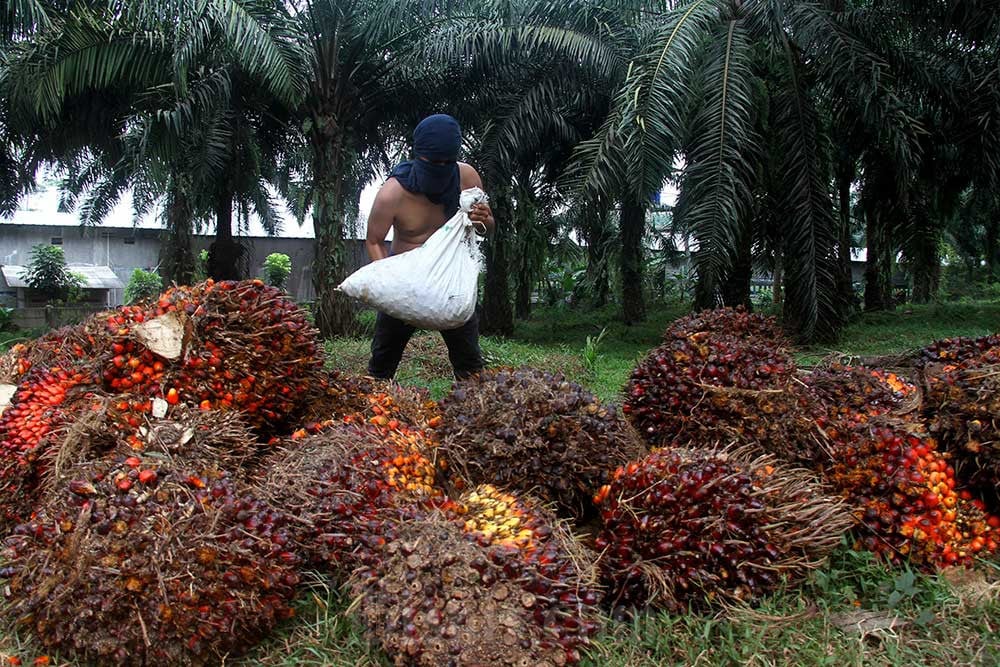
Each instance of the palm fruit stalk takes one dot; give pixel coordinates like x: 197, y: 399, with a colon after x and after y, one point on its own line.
x: 961, y: 379
x: 438, y: 596
x: 345, y: 482
x: 535, y: 432
x: 141, y: 560
x: 906, y: 499
x: 723, y: 377
x: 689, y: 529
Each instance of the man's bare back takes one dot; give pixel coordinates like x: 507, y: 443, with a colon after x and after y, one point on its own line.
x: 413, y: 217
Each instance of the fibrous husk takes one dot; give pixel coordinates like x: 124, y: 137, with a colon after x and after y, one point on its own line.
x: 708, y: 385
x: 344, y: 483
x: 905, y: 498
x: 534, y: 432
x: 136, y: 560
x: 436, y: 596
x: 687, y: 528
x: 961, y: 381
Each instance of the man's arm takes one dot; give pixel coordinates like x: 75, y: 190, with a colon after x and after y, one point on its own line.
x: 380, y: 221
x: 480, y: 213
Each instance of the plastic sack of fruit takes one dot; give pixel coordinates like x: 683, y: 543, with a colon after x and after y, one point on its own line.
x: 430, y: 287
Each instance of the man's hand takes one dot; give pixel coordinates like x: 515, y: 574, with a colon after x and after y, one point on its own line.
x: 482, y: 214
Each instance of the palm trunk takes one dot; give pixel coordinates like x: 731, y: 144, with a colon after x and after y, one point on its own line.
x: 736, y: 287
x: 177, y: 262
x: 927, y: 259
x: 522, y: 300
x: 633, y: 225
x: 526, y: 260
x: 878, y: 267
x: 334, y: 312
x: 778, y: 281
x: 497, y: 313
x: 598, y: 242
x: 993, y: 249
x: 224, y: 253
x: 845, y: 277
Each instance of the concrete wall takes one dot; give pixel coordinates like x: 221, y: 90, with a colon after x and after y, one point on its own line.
x: 53, y: 318
x: 126, y: 249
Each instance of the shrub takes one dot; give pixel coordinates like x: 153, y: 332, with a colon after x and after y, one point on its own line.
x: 143, y: 286
x: 277, y: 268
x: 47, y: 273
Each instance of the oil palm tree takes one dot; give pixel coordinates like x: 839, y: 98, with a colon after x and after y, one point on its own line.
x: 184, y: 90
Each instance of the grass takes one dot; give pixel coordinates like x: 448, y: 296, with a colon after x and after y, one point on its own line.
x: 854, y: 611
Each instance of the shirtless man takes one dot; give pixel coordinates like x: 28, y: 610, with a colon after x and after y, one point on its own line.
x: 419, y: 197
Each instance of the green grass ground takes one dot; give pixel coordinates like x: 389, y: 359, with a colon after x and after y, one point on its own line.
x: 854, y: 611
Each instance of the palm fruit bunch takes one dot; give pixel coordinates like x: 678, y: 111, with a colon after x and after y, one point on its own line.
x: 907, y: 506
x: 246, y: 347
x: 730, y: 321
x: 540, y: 554
x: 961, y: 380
x: 857, y: 393
x: 724, y: 377
x: 14, y: 363
x: 384, y: 404
x: 958, y: 350
x: 46, y: 402
x: 436, y: 597
x: 140, y: 559
x: 345, y: 481
x: 686, y: 528
x: 533, y: 431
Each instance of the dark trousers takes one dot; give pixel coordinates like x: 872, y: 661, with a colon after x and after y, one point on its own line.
x: 392, y: 335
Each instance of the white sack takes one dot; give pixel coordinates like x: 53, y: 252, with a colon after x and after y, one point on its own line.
x: 433, y: 286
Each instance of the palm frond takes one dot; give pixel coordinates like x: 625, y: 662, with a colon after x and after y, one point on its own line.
x: 810, y: 229
x: 717, y: 183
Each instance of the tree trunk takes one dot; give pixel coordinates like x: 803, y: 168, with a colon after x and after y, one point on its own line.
x: 927, y: 255
x: 497, y: 313
x: 736, y: 287
x: 522, y: 300
x: 633, y: 225
x: 878, y: 265
x: 993, y: 249
x: 598, y: 242
x: 778, y: 281
x: 845, y: 276
x: 526, y: 261
x: 224, y: 253
x: 334, y: 312
x: 177, y: 263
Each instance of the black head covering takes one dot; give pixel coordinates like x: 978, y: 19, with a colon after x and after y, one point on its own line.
x: 437, y: 138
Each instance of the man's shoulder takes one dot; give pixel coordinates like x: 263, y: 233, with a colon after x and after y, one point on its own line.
x: 390, y: 192
x: 469, y: 176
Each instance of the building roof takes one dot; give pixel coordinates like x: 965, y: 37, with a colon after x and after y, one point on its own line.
x: 98, y: 277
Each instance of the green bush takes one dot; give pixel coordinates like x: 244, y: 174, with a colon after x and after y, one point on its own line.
x: 143, y: 286
x: 201, y: 267
x: 47, y: 274
x: 277, y: 268
x: 6, y: 318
